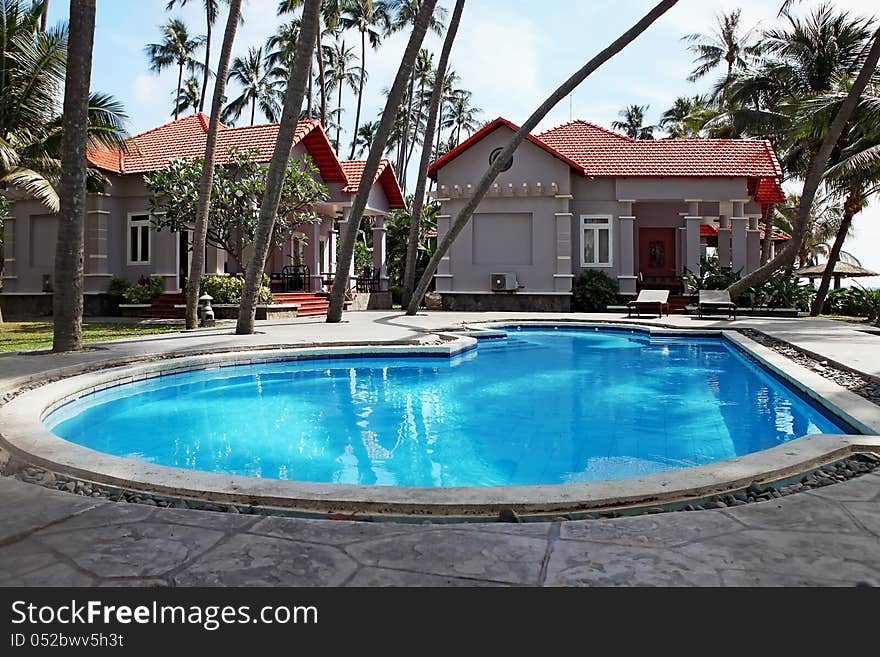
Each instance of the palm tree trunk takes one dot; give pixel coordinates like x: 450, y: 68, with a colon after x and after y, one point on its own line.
x: 310, y: 102
x: 386, y: 123
x: 293, y: 100
x: 321, y: 81
x: 816, y: 174
x: 357, y: 116
x: 850, y: 207
x: 405, y: 136
x: 412, y: 246
x: 206, y: 185
x: 67, y: 300
x: 339, y: 117
x: 179, y: 88
x: 253, y: 108
x: 207, y: 66
x: 531, y: 123
x: 44, y: 17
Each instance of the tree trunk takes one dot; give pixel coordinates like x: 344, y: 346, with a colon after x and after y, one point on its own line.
x: 386, y: 123
x: 179, y: 88
x: 492, y: 172
x: 293, y: 100
x: 321, y: 80
x: 404, y: 140
x: 206, y: 185
x: 207, y: 66
x: 357, y: 116
x: 412, y: 246
x: 814, y: 178
x: 339, y: 116
x: 44, y: 17
x: 253, y: 108
x: 850, y: 207
x: 310, y: 102
x: 768, y: 236
x: 67, y: 300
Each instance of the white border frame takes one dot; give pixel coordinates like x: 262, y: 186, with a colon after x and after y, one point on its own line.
x: 598, y: 265
x: 138, y: 263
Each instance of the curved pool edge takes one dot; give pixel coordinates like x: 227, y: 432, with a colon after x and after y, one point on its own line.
x: 22, y: 432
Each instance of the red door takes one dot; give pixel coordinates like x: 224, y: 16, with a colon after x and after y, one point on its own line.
x: 657, y: 252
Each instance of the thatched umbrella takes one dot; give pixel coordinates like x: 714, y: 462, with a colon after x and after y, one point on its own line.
x: 841, y: 270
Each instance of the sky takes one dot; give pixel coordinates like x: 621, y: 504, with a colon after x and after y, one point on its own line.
x: 510, y: 53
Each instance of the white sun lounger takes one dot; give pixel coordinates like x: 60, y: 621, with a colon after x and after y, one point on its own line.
x: 650, y: 299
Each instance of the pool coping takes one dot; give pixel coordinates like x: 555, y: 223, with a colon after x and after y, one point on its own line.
x: 23, y: 434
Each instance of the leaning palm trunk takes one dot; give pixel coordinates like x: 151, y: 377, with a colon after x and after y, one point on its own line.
x: 386, y: 123
x: 412, y: 246
x: 492, y: 172
x: 768, y: 237
x: 293, y: 100
x: 207, y: 73
x: 814, y: 177
x: 851, y: 206
x: 200, y: 231
x: 67, y: 301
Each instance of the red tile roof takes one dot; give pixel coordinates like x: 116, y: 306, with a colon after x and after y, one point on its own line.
x: 594, y: 151
x: 354, y: 170
x: 153, y: 150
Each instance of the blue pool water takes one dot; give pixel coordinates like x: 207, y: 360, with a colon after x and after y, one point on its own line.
x: 542, y: 406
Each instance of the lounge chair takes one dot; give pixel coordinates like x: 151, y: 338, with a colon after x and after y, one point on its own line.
x: 716, y: 300
x: 650, y: 298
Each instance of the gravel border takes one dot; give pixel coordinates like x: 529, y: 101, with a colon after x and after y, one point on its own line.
x: 856, y: 382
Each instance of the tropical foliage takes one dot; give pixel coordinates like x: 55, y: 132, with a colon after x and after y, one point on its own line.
x: 227, y: 289
x: 593, y: 291
x: 236, y: 195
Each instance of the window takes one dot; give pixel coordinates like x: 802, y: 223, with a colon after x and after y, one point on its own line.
x: 138, y: 239
x: 596, y: 240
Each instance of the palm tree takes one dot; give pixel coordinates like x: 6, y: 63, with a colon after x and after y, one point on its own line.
x: 365, y: 137
x: 561, y: 92
x: 412, y: 250
x: 260, y: 87
x: 67, y: 300
x: 206, y: 183
x: 44, y: 16
x: 823, y: 223
x: 462, y: 116
x: 424, y: 77
x: 402, y: 15
x: 633, y: 124
x: 33, y: 65
x: 293, y: 100
x: 212, y: 10
x: 359, y: 203
x: 190, y: 97
x: 726, y: 45
x: 177, y: 48
x: 444, y: 120
x: 338, y: 64
x: 686, y: 117
x: 368, y: 18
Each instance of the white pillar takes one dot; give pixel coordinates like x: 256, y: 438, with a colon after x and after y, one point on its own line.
x: 692, y: 244
x: 563, y: 276
x: 332, y: 241
x: 724, y: 241
x: 753, y: 245
x: 739, y: 253
x: 443, y: 277
x: 379, y: 263
x: 313, y: 233
x: 626, y: 239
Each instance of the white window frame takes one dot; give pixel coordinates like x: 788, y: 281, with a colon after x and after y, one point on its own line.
x: 595, y: 228
x: 128, y: 226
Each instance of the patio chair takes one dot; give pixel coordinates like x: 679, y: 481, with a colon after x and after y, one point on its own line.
x: 716, y: 300
x: 648, y: 299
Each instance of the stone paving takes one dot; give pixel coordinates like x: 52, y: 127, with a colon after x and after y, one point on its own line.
x: 828, y: 536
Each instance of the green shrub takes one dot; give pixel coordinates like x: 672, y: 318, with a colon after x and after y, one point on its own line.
x: 227, y: 289
x: 712, y: 276
x: 854, y: 302
x: 781, y: 290
x: 593, y: 291
x: 144, y: 291
x: 117, y: 287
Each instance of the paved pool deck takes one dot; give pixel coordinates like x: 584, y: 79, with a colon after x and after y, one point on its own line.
x: 829, y: 536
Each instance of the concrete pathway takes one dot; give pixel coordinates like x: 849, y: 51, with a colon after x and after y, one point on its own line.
x: 830, y: 536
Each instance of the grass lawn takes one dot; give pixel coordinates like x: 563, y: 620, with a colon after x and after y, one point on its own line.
x: 24, y: 336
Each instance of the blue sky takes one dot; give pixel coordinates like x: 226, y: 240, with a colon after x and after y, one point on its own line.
x: 509, y: 53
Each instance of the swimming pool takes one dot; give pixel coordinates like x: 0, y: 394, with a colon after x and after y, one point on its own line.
x: 541, y: 406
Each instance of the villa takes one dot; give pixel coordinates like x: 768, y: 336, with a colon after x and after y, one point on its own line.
x: 582, y: 197
x: 121, y: 241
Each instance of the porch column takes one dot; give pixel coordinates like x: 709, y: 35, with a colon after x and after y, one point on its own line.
x: 9, y: 266
x: 724, y: 241
x: 379, y: 264
x: 443, y: 277
x: 313, y: 234
x: 332, y: 241
x: 563, y: 276
x: 692, y: 244
x: 739, y: 254
x: 626, y: 240
x: 753, y: 245
x: 344, y: 226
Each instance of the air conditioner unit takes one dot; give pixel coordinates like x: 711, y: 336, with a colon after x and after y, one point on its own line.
x: 505, y: 282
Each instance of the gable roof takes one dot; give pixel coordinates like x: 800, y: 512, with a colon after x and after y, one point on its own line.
x: 594, y: 151
x: 186, y: 138
x: 354, y: 170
